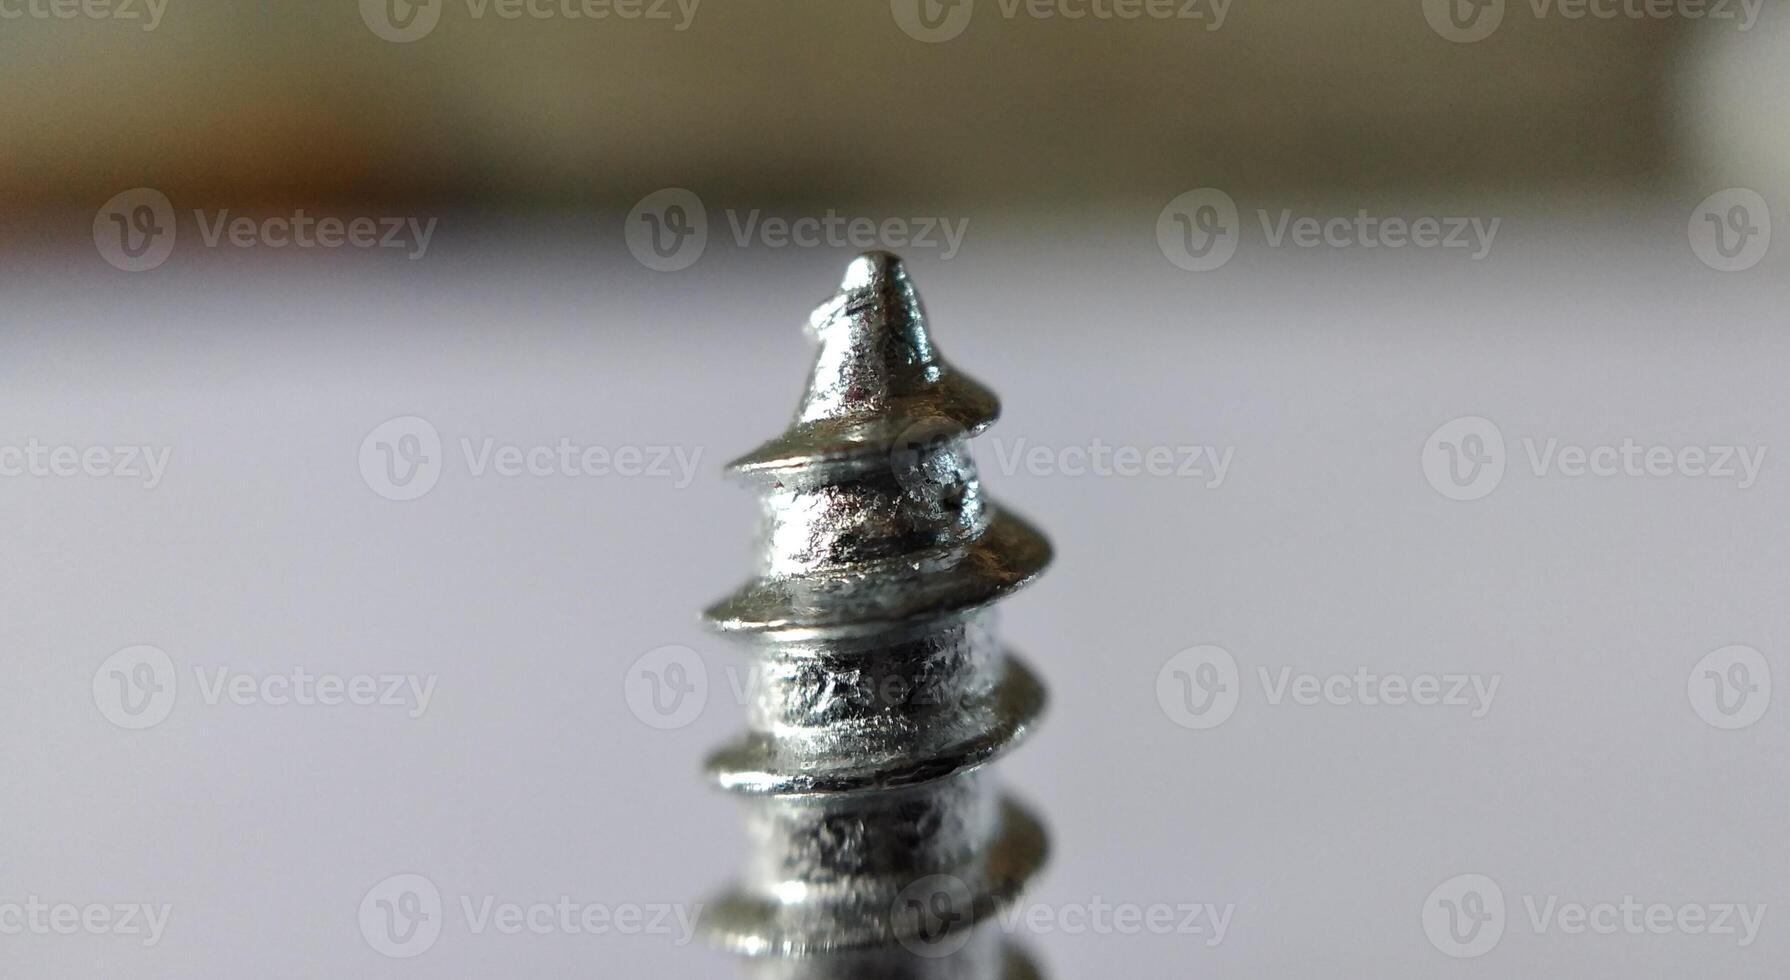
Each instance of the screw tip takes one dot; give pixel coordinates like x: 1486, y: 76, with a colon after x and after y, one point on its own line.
x: 871, y: 269
x: 876, y: 375
x: 874, y: 346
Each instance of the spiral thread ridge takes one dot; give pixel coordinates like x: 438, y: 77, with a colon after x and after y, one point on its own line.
x: 881, y: 846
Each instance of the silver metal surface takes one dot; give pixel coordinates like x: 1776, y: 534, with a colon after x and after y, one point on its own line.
x: 882, y: 849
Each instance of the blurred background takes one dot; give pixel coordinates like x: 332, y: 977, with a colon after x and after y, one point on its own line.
x: 522, y: 106
x: 282, y: 280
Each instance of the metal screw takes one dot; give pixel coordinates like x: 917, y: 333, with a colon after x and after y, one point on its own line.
x: 882, y: 849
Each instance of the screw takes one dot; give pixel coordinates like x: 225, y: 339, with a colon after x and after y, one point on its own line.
x: 882, y: 849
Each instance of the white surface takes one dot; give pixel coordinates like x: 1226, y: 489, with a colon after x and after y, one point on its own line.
x: 1590, y: 778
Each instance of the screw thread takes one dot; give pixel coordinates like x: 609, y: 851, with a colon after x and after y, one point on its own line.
x: 882, y: 848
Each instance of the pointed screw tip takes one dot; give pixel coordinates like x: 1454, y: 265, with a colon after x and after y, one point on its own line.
x: 872, y: 268
x: 883, y: 276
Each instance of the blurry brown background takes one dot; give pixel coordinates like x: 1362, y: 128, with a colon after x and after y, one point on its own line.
x: 251, y: 104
